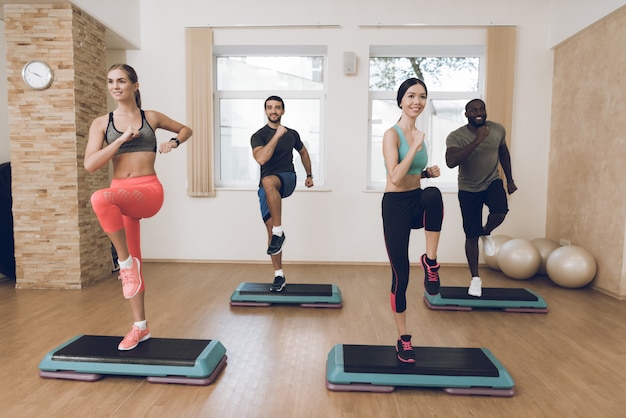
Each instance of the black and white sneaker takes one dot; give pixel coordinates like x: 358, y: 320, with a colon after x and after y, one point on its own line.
x: 276, y: 244
x: 278, y: 285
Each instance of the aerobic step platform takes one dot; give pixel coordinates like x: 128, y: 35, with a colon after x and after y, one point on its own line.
x: 160, y: 360
x: 507, y: 299
x: 458, y: 371
x: 305, y: 295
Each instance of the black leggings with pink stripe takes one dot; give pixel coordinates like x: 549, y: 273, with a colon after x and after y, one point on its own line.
x: 402, y: 212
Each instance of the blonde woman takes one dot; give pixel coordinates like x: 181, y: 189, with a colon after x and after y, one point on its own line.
x: 127, y: 137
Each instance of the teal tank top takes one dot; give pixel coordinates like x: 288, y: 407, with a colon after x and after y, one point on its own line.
x: 421, y: 157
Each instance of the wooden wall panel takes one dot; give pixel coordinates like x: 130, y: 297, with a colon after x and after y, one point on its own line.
x: 500, y: 77
x: 586, y: 182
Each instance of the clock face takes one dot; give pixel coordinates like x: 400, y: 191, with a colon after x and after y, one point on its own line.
x: 37, y: 75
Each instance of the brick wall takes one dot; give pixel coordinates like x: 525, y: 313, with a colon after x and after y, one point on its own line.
x: 58, y: 241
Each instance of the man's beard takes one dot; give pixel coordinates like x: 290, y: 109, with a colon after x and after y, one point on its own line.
x: 476, y: 124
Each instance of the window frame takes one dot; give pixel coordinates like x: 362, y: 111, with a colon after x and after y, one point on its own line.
x: 286, y: 95
x: 424, y: 120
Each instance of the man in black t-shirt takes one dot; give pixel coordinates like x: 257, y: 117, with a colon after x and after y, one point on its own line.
x: 272, y: 148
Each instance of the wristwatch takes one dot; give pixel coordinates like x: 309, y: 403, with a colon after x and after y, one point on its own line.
x: 175, y: 140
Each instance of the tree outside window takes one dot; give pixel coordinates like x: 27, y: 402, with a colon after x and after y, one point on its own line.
x: 451, y: 80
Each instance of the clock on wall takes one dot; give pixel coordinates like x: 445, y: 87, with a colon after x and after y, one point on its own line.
x: 37, y: 75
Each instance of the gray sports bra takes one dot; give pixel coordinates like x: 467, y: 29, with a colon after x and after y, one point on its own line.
x: 145, y: 142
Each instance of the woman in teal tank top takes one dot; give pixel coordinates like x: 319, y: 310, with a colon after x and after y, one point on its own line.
x: 406, y: 206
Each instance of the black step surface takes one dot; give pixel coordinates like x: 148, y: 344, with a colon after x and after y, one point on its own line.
x: 433, y: 361
x: 155, y: 351
x: 489, y: 293
x: 290, y: 289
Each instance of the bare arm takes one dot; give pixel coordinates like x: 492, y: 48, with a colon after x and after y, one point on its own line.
x: 505, y: 162
x: 397, y: 171
x: 456, y: 155
x: 262, y: 154
x: 160, y: 121
x: 306, y: 162
x: 97, y: 155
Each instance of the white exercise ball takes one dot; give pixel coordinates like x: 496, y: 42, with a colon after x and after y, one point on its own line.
x: 571, y: 266
x: 545, y: 246
x: 519, y: 259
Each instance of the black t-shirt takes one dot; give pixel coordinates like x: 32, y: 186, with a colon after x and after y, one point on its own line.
x: 282, y: 159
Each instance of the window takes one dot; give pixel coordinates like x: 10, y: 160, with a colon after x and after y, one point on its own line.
x: 453, y: 77
x: 245, y: 77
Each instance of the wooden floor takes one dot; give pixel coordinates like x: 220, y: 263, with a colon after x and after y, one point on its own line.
x: 569, y: 362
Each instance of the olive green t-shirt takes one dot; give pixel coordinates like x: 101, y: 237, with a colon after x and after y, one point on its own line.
x: 480, y: 168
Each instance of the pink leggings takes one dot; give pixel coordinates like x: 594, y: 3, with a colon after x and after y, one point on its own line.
x: 124, y: 203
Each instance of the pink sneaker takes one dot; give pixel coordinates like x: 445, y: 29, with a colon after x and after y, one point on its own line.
x: 405, y: 349
x: 133, y: 338
x: 431, y: 276
x: 131, y: 279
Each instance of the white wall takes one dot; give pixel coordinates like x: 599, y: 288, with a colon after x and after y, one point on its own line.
x: 343, y: 223
x: 566, y: 18
x: 121, y: 18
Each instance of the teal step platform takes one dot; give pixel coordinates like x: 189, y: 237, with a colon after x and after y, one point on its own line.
x: 458, y: 371
x: 305, y: 295
x: 506, y: 299
x: 160, y: 360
